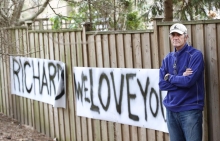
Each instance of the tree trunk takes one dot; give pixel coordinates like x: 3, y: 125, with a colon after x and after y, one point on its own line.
x: 168, y: 10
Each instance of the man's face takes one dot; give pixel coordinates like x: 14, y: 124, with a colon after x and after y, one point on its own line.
x: 178, y: 40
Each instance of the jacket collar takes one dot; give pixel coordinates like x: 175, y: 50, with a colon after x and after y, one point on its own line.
x: 177, y: 53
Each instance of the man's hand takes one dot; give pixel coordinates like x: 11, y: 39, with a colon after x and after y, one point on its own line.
x: 188, y: 72
x: 166, y: 77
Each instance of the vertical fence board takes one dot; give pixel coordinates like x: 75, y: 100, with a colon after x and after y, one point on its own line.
x: 218, y: 59
x: 114, y: 127
x: 5, y: 77
x: 138, y: 52
x: 113, y: 52
x: 164, y: 44
x: 61, y: 110
x: 50, y: 107
x: 72, y: 51
x: 93, y: 63
x: 79, y: 58
x: 106, y: 56
x: 84, y: 45
x: 218, y: 86
x: 125, y: 49
x: 99, y: 51
x: 121, y: 64
x: 1, y: 83
x: 30, y: 102
x: 146, y: 50
x: 151, y: 134
x: 1, y: 76
x: 3, y: 87
x: 56, y: 112
x: 18, y: 108
x: 76, y: 51
x: 26, y: 52
x: 36, y: 108
x: 190, y: 35
x: 212, y: 70
x: 41, y: 104
x: 46, y: 106
x: 128, y: 50
x: 86, y: 123
x: 199, y: 43
x: 164, y: 41
x: 14, y: 110
x: 105, y: 46
x: 155, y: 46
x: 21, y: 99
x: 100, y: 60
x: 69, y: 91
x: 136, y: 48
x: 114, y: 64
x: 137, y: 63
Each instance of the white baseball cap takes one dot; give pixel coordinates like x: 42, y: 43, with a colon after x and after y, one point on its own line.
x: 179, y: 28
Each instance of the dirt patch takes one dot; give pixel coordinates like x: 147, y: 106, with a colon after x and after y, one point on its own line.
x: 12, y: 130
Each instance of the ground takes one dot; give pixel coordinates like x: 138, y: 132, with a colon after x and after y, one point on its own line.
x: 12, y: 130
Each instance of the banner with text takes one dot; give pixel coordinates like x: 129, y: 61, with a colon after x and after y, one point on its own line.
x: 39, y: 79
x: 124, y: 95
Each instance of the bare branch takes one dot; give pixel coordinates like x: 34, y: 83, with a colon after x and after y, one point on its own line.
x: 57, y: 13
x: 31, y: 8
x: 16, y: 13
x: 36, y: 14
x: 4, y: 16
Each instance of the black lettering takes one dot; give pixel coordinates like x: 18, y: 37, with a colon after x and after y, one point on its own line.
x: 84, y: 78
x: 35, y: 76
x: 79, y: 88
x: 62, y: 87
x: 144, y: 94
x: 118, y: 104
x: 93, y: 106
x: 22, y: 79
x: 59, y: 68
x: 26, y: 63
x: 157, y: 101
x: 104, y: 77
x: 15, y: 72
x: 52, y: 76
x: 130, y: 96
x: 44, y: 80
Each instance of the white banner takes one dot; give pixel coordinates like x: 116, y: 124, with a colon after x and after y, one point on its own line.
x: 39, y: 79
x: 123, y: 95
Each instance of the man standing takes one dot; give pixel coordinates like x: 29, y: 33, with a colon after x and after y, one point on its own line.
x: 182, y: 76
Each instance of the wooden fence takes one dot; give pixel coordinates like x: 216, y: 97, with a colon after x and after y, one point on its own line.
x: 128, y: 49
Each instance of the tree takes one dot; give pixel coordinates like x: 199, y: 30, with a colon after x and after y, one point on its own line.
x: 11, y: 11
x: 11, y: 15
x: 106, y: 14
x: 186, y: 10
x: 168, y: 10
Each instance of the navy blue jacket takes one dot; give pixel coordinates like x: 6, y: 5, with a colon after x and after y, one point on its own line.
x: 183, y: 92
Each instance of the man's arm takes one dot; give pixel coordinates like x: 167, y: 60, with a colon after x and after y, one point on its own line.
x: 192, y: 74
x: 165, y: 85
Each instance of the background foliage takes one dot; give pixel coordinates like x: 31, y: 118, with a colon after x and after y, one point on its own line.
x: 135, y: 14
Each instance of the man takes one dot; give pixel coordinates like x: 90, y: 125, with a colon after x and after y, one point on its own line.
x: 182, y: 76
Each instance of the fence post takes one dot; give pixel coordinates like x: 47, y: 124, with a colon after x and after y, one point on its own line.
x: 41, y: 25
x: 88, y: 26
x: 29, y: 24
